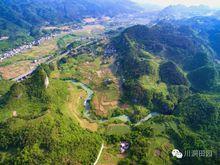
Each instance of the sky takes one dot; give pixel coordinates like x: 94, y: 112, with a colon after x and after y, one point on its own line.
x: 211, y: 3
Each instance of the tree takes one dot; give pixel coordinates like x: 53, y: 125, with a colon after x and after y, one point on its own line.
x: 203, y: 78
x: 198, y: 111
x: 172, y: 75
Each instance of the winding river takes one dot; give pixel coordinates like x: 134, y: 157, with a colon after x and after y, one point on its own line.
x: 87, y: 106
x: 90, y: 94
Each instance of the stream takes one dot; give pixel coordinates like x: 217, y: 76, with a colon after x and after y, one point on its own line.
x: 87, y: 106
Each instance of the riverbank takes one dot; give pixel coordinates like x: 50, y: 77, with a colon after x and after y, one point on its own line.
x: 87, y: 106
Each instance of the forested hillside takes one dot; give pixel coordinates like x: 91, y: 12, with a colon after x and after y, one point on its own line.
x: 171, y: 68
x: 207, y: 28
x: 95, y: 87
x: 36, y: 128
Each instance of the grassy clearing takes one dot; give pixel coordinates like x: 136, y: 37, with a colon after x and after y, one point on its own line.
x: 118, y: 129
x: 75, y: 106
x: 152, y: 80
x: 110, y: 156
x: 159, y: 151
x: 149, y: 83
x: 65, y: 40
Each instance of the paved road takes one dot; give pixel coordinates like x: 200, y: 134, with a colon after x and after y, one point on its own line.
x: 100, y: 153
x: 24, y: 76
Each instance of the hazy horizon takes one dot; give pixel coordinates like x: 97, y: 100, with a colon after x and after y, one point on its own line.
x: 210, y: 3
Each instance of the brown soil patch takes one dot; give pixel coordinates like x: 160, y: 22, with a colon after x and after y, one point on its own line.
x: 167, y: 146
x: 103, y: 106
x: 90, y: 29
x: 20, y: 65
x: 124, y: 106
x: 157, y: 152
x: 15, y: 70
x: 19, y: 68
x: 99, y: 73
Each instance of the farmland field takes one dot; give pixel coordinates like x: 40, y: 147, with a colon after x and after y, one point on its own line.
x: 23, y: 62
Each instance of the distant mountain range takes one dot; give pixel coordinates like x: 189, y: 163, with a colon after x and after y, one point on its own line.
x: 20, y: 21
x: 18, y: 18
x: 181, y: 11
x: 18, y: 15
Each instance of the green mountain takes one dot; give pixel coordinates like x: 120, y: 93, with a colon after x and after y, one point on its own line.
x: 187, y: 48
x: 36, y: 128
x: 170, y: 68
x: 206, y: 28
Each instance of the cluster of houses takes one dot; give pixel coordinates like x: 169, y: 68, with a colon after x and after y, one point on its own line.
x: 109, y: 50
x: 15, y: 51
x: 24, y: 48
x: 4, y: 38
x: 83, y: 49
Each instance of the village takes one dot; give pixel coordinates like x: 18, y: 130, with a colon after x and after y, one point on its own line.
x: 110, y: 23
x: 25, y: 47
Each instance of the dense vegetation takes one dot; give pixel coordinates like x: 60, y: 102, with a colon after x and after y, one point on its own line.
x: 206, y: 27
x: 167, y: 68
x: 203, y: 78
x: 199, y: 112
x: 41, y: 131
x: 35, y: 12
x: 173, y: 72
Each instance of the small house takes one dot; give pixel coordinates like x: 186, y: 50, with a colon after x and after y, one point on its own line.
x: 124, y: 146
